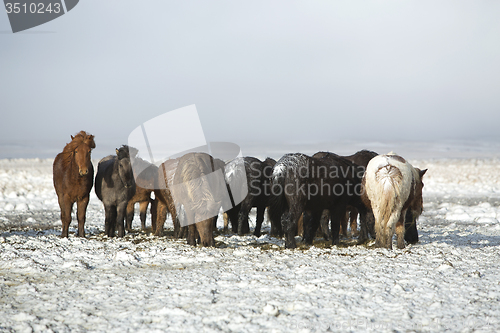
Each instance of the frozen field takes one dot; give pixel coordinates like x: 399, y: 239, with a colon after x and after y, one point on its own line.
x: 450, y: 280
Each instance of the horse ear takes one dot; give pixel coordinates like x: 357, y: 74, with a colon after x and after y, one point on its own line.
x: 116, y: 149
x: 422, y: 173
x: 92, y: 142
x: 72, y: 137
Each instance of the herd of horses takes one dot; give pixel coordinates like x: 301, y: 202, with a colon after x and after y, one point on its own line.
x: 319, y: 195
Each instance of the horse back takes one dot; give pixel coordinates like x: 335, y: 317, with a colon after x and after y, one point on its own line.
x: 104, y: 170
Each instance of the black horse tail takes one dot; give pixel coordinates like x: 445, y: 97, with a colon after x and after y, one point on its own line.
x: 277, y: 200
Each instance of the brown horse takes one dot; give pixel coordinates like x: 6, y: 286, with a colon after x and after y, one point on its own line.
x: 145, y: 183
x: 164, y: 200
x: 199, y: 188
x: 73, y: 176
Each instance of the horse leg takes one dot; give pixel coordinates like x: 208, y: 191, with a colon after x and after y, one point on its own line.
x: 232, y: 216
x: 336, y: 214
x: 226, y: 223
x: 389, y: 232
x: 363, y: 228
x: 324, y: 223
x: 66, y: 206
x: 130, y: 215
x: 191, y: 228
x: 311, y: 221
x: 205, y: 230
x: 400, y: 231
x: 191, y: 237
x: 343, y: 224
x: 243, y: 227
x: 121, y: 211
x: 110, y: 220
x: 214, y: 221
x: 143, y: 208
x: 161, y: 216
x: 81, y: 209
x: 300, y: 226
x: 154, y: 215
x: 276, y: 229
x: 411, y: 232
x: 289, y: 225
x: 260, y: 218
x: 353, y: 216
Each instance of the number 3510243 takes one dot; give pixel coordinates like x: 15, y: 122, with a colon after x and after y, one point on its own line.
x: 33, y: 8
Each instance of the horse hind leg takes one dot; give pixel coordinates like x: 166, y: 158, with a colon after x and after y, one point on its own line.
x: 325, y: 224
x: 154, y: 215
x: 336, y: 214
x: 110, y: 220
x: 343, y: 224
x: 143, y: 207
x: 243, y: 226
x: 161, y: 216
x: 400, y: 231
x: 380, y: 233
x: 205, y: 232
x: 260, y: 219
x: 353, y: 217
x: 130, y: 215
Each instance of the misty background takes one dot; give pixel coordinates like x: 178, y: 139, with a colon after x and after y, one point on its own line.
x: 267, y: 75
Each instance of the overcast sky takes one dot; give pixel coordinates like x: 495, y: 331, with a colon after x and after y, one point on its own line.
x: 258, y: 71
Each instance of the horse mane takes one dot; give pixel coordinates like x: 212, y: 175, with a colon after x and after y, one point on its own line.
x: 78, y: 139
x: 125, y: 152
x: 81, y: 137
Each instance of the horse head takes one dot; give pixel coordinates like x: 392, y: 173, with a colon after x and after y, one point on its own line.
x: 125, y: 166
x: 84, y: 144
x: 417, y: 205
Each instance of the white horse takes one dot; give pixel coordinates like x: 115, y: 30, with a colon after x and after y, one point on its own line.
x: 391, y: 187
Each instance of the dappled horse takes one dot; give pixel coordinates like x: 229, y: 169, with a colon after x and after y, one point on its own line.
x: 391, y: 187
x: 144, y: 185
x: 301, y: 183
x: 257, y: 177
x: 115, y: 186
x: 73, y: 177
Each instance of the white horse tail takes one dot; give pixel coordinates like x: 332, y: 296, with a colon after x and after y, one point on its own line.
x: 388, y: 182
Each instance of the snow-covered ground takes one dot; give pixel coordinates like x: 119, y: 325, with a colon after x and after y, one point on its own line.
x: 448, y: 281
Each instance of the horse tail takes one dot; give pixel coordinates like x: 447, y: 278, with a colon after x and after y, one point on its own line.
x: 384, y: 182
x: 390, y: 179
x: 277, y: 200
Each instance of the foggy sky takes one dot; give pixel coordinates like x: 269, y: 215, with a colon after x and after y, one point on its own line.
x: 258, y: 71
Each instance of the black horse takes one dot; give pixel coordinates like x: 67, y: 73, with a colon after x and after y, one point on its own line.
x: 256, y: 175
x: 115, y: 186
x: 301, y: 183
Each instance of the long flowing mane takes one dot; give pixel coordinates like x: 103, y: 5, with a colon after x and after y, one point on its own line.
x: 81, y: 137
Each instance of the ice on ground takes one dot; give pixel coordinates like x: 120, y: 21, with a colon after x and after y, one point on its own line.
x: 448, y: 281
